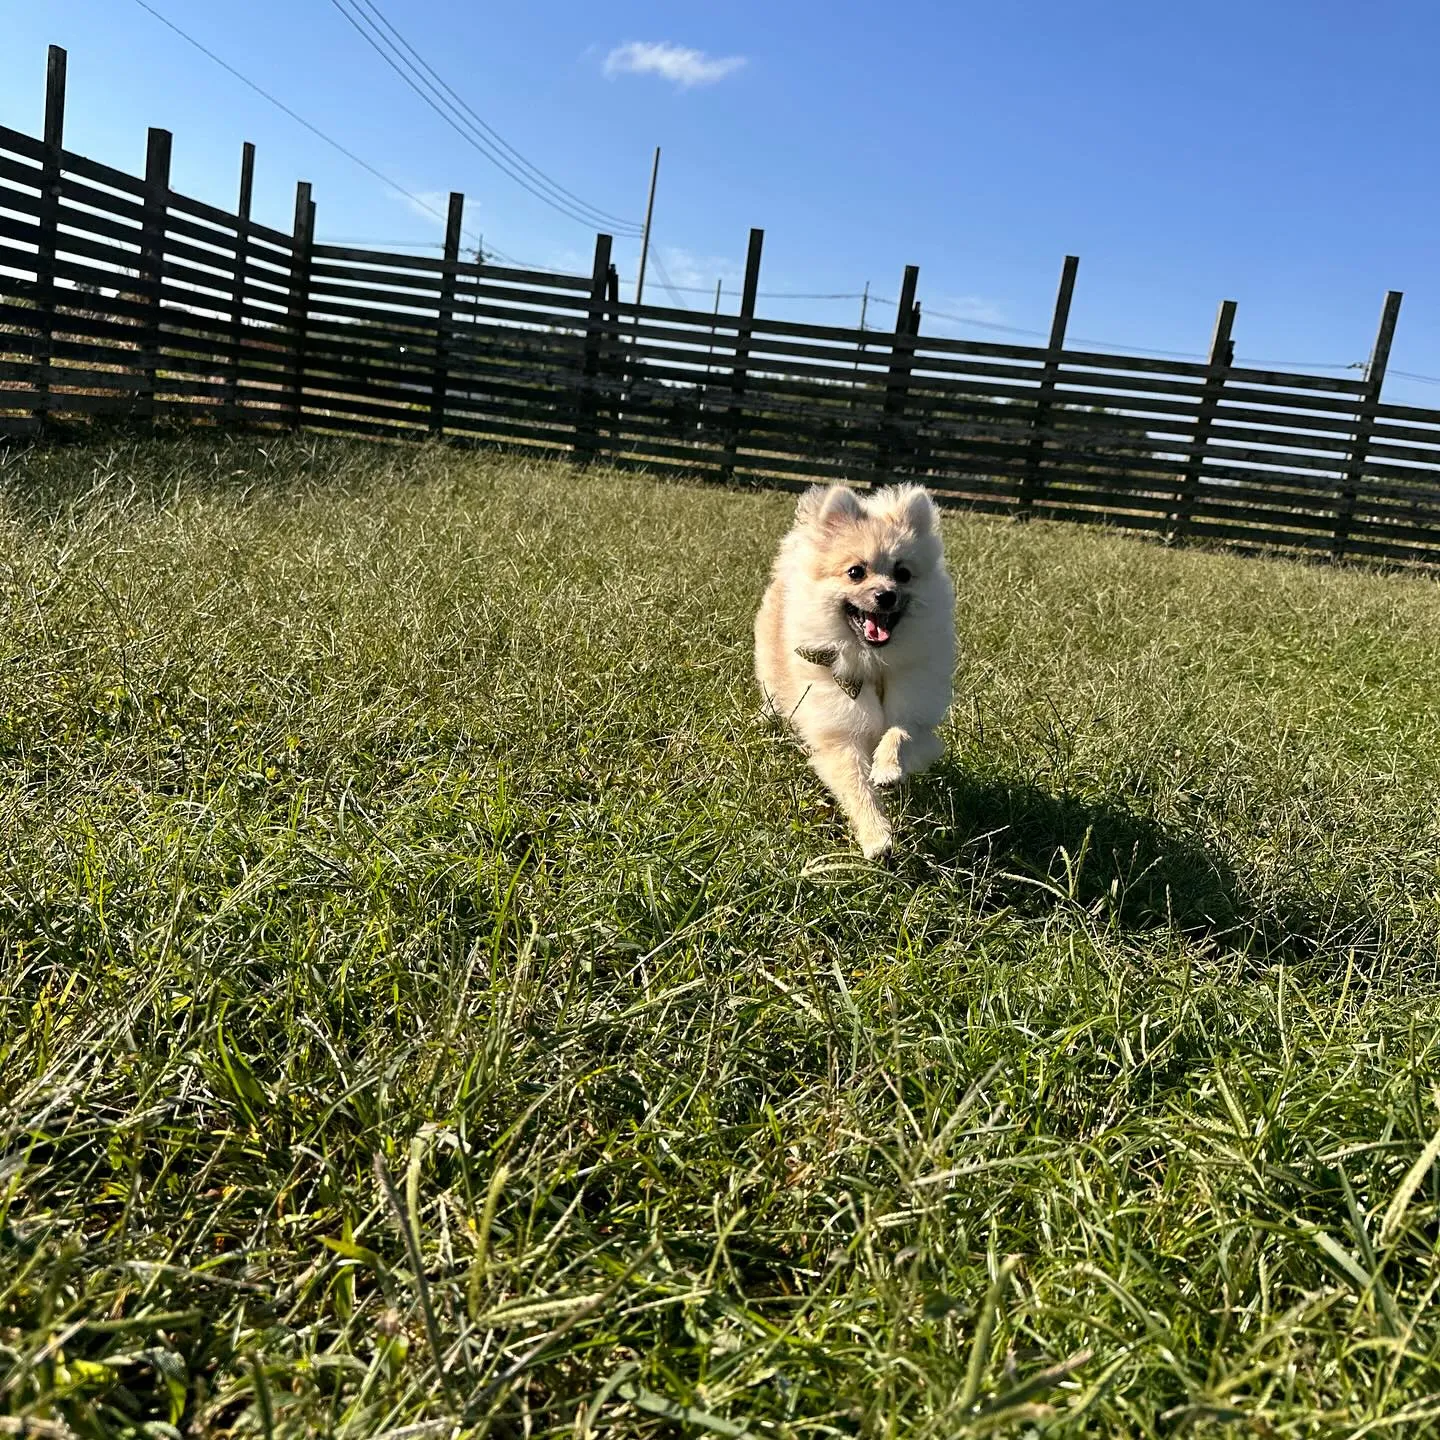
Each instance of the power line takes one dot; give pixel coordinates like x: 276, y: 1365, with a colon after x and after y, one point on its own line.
x: 347, y: 153
x: 299, y: 119
x: 425, y: 89
x: 548, y: 181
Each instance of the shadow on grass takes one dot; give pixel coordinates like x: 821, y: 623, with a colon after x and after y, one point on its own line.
x: 1033, y: 850
x: 112, y: 461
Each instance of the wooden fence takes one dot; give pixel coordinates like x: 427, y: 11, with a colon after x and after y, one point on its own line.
x: 120, y: 297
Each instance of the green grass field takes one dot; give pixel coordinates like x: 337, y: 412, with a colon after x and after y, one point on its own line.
x: 432, y: 1003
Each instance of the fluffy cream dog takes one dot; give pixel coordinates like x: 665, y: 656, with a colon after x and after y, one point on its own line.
x: 855, y: 643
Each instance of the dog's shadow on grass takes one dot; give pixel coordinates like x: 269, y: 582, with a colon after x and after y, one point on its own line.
x: 1019, y: 846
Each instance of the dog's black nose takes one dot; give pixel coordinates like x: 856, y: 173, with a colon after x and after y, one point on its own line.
x: 884, y: 599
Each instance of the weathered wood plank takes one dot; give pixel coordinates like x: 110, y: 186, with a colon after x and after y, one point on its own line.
x: 740, y: 356
x: 237, y: 284
x: 587, y: 433
x: 19, y: 143
x: 422, y: 291
x: 454, y: 223
x: 152, y: 258
x: 889, y: 440
x: 384, y: 260
x: 187, y: 205
x: 1222, y: 357
x: 47, y: 239
x: 299, y: 312
x: 20, y: 180
x: 1374, y: 380
x: 1030, y: 487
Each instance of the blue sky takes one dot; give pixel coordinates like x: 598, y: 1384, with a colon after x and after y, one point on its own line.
x: 1280, y: 153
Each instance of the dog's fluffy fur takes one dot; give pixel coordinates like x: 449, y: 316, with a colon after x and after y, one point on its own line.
x: 855, y: 643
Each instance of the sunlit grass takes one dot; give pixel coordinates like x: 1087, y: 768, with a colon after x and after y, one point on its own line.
x: 363, y: 802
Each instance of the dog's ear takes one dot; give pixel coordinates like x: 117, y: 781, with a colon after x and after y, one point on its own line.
x: 807, y: 507
x: 822, y: 506
x: 907, y: 505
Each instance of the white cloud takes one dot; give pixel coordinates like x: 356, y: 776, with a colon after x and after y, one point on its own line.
x: 682, y: 66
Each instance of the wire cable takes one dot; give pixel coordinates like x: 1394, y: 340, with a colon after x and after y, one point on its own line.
x: 534, y: 170
x: 473, y: 236
x: 299, y: 119
x: 369, y: 32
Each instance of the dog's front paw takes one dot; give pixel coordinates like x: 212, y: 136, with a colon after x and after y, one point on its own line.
x: 877, y: 845
x: 886, y: 774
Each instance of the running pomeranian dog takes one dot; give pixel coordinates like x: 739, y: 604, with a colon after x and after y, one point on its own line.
x: 855, y: 643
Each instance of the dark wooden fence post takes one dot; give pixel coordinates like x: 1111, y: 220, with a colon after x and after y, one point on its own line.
x: 152, y: 266
x: 735, y: 410
x: 613, y: 362
x: 1222, y: 357
x: 49, y: 229
x: 302, y: 240
x: 445, y: 318
x: 587, y: 437
x: 231, y: 410
x: 1365, y: 423
x: 1033, y: 479
x: 889, y: 446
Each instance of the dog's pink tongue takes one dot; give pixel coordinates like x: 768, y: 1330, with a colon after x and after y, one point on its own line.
x: 875, y: 633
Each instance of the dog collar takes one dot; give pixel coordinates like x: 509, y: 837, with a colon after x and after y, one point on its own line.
x: 827, y: 655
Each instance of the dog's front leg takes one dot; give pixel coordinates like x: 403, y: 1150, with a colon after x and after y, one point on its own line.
x: 845, y: 772
x: 904, y: 750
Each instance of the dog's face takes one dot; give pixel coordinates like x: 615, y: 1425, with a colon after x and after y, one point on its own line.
x: 870, y: 561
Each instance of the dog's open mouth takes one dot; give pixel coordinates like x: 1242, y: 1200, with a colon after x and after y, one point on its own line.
x: 874, y: 627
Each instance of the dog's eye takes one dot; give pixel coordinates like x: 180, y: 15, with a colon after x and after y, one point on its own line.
x: 856, y: 572
x: 902, y: 574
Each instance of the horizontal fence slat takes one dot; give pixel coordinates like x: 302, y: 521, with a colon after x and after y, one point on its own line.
x: 20, y: 143
x: 81, y: 193
x: 352, y: 282
x: 188, y: 206
x: 393, y: 260
x: 17, y: 174
x: 100, y: 174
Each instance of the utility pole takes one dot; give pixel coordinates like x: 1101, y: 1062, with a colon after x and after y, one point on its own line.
x: 645, y: 237
x: 710, y: 357
x: 864, y: 305
x: 479, y: 260
x: 714, y: 317
x: 630, y: 373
